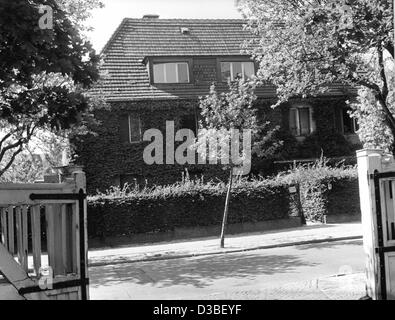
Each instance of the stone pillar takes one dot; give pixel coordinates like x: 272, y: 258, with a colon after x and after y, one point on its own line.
x: 368, y: 162
x: 371, y: 161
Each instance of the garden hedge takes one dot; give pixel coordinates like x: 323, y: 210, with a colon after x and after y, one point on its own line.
x: 191, y: 204
x: 325, y: 190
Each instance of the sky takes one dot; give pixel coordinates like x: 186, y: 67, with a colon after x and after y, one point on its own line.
x: 106, y: 20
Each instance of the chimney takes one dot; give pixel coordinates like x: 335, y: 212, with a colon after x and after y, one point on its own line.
x: 184, y: 30
x: 151, y: 16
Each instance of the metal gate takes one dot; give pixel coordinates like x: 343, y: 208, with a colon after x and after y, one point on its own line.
x: 43, y: 245
x: 376, y: 175
x: 384, y: 186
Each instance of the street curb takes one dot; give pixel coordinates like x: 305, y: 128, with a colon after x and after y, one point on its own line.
x: 191, y: 255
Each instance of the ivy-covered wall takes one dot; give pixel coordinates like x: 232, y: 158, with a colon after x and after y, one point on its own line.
x: 109, y: 159
x: 328, y: 137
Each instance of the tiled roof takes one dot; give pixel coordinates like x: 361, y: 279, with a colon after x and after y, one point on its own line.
x: 126, y: 76
x: 152, y: 37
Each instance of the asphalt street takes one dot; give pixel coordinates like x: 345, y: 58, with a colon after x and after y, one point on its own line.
x: 279, y: 273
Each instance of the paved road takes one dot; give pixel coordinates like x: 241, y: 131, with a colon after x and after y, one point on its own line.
x: 281, y: 273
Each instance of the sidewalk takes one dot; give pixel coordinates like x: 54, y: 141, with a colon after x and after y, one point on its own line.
x: 233, y: 243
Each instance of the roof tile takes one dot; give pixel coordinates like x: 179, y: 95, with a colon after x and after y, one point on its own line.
x: 126, y: 75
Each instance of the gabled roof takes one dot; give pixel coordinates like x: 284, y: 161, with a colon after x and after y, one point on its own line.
x: 135, y: 39
x: 126, y: 76
x: 158, y: 37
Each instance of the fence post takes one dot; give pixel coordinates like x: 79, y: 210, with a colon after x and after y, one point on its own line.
x: 80, y: 184
x: 369, y: 162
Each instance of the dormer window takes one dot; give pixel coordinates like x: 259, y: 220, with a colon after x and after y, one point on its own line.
x: 171, y: 72
x: 236, y: 69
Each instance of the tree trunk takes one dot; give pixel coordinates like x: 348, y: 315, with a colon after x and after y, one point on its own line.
x: 225, y: 218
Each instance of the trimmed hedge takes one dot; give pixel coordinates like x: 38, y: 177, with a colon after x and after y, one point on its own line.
x: 324, y: 190
x: 343, y: 198
x: 186, y: 204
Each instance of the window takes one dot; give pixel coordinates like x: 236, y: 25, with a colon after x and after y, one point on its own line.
x: 232, y: 70
x: 350, y: 125
x: 134, y: 128
x: 173, y: 72
x: 300, y: 122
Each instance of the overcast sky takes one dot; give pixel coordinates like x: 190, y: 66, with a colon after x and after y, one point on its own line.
x: 106, y: 20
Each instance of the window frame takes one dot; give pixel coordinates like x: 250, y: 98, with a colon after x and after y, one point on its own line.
x: 233, y: 59
x: 130, y: 116
x: 163, y: 60
x: 177, y: 64
x: 298, y: 107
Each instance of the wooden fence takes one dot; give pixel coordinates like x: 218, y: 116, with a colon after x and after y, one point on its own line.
x: 43, y: 244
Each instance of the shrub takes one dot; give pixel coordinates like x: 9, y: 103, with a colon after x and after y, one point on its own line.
x: 317, y: 181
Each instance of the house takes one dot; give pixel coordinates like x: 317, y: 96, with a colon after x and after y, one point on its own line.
x: 156, y: 69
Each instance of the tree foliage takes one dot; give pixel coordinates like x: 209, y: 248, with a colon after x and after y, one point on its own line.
x: 305, y: 46
x: 223, y: 116
x: 373, y: 131
x: 43, y: 73
x: 234, y: 109
x: 46, y: 152
x: 78, y: 11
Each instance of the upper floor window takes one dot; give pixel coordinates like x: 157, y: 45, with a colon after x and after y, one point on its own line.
x: 300, y: 121
x: 134, y: 128
x: 233, y: 70
x: 171, y: 72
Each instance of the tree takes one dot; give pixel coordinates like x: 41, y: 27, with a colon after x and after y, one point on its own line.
x: 44, y: 74
x: 45, y: 152
x: 229, y: 121
x: 304, y: 46
x: 78, y: 11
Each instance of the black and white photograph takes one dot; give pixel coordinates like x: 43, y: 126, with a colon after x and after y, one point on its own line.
x: 198, y: 154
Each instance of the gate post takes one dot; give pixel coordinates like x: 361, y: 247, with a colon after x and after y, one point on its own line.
x: 371, y: 161
x: 80, y: 185
x: 368, y: 162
